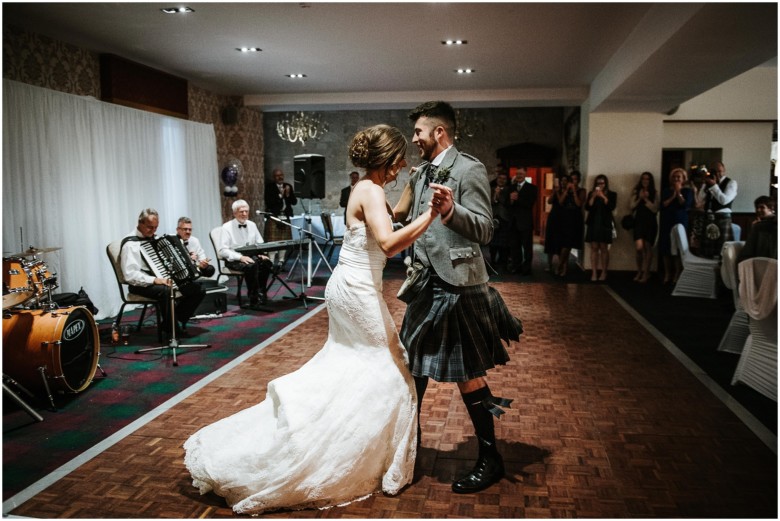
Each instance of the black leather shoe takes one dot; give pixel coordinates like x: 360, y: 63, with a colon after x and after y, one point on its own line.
x: 488, y: 471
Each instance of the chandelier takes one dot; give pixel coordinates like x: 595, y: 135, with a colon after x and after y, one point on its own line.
x: 468, y: 125
x: 299, y: 127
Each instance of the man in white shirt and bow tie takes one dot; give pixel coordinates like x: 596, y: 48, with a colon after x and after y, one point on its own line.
x: 240, y: 231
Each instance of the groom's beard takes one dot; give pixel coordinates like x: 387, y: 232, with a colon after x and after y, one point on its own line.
x: 426, y: 149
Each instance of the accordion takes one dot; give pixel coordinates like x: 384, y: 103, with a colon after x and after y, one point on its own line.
x: 169, y: 259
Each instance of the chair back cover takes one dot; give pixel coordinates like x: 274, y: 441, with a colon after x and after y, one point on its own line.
x: 758, y: 286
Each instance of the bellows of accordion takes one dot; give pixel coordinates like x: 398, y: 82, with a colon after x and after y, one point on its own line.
x: 169, y: 259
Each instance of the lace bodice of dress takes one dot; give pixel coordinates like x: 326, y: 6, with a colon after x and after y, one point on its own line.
x: 359, y: 246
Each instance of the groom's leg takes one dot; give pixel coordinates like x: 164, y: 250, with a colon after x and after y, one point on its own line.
x: 420, y: 385
x: 489, y: 468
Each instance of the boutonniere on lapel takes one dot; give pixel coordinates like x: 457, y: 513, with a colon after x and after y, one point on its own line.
x: 438, y: 174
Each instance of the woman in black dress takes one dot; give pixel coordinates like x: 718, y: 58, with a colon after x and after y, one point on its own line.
x: 644, y: 205
x: 600, y: 204
x: 572, y: 225
x: 552, y: 227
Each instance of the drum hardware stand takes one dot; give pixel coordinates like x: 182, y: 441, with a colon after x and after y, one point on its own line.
x: 42, y: 370
x: 21, y: 403
x: 301, y: 234
x: 173, y: 343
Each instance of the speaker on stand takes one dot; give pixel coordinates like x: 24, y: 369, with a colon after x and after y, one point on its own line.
x: 309, y: 184
x: 310, y: 176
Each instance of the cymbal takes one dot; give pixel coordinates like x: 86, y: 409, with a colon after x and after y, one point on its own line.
x: 35, y: 251
x: 14, y: 299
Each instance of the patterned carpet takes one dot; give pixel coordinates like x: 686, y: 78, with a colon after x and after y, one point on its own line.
x: 135, y: 384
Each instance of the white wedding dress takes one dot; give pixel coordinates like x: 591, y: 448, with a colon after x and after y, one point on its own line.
x: 338, y: 429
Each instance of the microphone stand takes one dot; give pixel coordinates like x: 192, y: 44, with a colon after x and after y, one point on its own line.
x: 173, y: 343
x: 302, y: 296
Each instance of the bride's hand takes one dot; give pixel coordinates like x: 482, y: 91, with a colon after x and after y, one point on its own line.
x: 441, y: 198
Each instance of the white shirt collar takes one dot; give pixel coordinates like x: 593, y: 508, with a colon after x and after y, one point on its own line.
x: 439, y: 158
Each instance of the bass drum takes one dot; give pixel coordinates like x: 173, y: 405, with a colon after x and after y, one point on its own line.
x: 64, y: 342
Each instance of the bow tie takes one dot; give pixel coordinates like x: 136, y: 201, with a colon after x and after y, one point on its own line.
x: 242, y: 225
x: 186, y: 243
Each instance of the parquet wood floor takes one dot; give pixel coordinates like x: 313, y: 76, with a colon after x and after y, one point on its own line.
x: 605, y: 423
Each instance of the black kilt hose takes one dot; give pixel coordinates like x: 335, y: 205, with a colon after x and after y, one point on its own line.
x: 453, y: 334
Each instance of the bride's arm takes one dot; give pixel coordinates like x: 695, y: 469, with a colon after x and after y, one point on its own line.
x: 374, y: 205
x: 404, y: 205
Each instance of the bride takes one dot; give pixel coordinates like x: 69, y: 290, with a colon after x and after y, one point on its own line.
x: 344, y: 425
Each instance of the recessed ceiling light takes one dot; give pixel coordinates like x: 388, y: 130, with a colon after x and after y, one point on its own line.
x: 176, y: 10
x: 454, y: 42
x: 465, y: 71
x: 295, y: 75
x: 248, y: 49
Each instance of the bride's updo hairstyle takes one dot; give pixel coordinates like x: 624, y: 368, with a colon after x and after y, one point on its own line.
x: 377, y: 147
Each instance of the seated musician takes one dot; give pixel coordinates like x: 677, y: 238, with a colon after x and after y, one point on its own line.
x: 142, y: 281
x: 193, y: 246
x: 237, y: 232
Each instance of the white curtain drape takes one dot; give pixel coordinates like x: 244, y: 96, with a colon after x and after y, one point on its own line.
x: 77, y: 172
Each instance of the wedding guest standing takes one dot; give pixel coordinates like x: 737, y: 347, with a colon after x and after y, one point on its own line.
x: 644, y: 205
x: 601, y: 225
x: 676, y: 200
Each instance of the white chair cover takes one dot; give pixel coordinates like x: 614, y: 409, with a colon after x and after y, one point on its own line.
x: 757, y: 365
x: 758, y: 286
x: 699, y: 275
x: 736, y: 333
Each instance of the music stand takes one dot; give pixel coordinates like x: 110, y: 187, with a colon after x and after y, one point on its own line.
x: 299, y: 259
x: 302, y: 296
x: 173, y: 343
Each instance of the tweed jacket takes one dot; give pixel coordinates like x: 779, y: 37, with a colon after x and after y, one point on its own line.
x: 453, y: 249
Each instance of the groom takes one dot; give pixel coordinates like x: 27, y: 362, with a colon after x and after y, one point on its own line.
x: 444, y: 325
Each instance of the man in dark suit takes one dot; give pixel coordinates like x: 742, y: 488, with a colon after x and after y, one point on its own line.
x: 354, y: 177
x: 453, y: 326
x: 521, y: 209
x: 279, y: 201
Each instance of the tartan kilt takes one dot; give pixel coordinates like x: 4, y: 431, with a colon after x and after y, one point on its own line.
x: 276, y: 231
x: 453, y: 334
x: 713, y: 239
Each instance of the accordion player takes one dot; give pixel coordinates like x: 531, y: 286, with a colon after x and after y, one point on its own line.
x: 152, y: 267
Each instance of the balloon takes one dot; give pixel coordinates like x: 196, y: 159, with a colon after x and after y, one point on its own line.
x: 229, y: 175
x: 231, y: 171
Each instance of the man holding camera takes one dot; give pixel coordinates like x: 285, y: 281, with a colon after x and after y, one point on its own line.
x: 721, y: 192
x: 522, y: 199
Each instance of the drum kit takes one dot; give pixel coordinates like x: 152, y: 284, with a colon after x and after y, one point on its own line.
x: 45, y: 348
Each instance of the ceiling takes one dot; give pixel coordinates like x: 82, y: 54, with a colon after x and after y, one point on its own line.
x: 637, y: 57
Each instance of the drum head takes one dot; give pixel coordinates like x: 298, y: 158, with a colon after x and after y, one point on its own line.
x: 78, y: 353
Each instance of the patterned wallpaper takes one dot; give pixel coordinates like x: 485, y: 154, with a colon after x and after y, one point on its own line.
x: 41, y: 61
